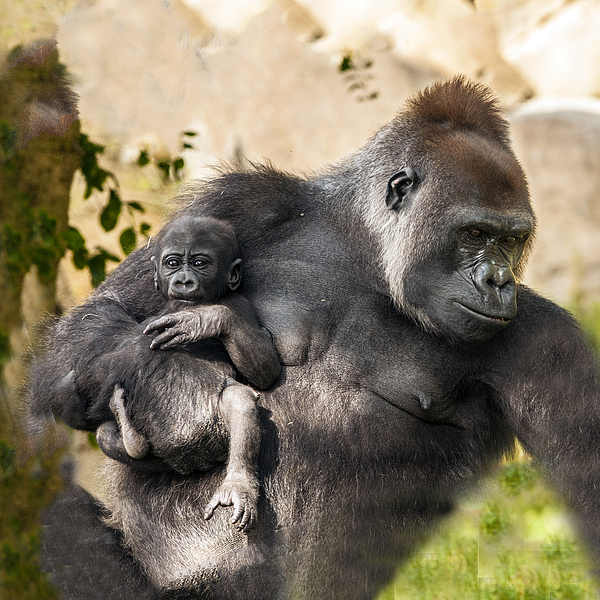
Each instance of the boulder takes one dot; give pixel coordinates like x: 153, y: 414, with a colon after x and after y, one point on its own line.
x: 554, y: 43
x: 560, y: 151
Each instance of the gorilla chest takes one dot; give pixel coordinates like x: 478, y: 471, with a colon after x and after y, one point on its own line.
x: 410, y: 383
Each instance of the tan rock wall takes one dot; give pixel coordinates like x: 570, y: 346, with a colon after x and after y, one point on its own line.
x: 262, y: 79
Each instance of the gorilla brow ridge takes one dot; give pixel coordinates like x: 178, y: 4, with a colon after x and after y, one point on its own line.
x: 198, y: 224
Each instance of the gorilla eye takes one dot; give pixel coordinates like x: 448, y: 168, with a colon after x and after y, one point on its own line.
x: 172, y: 262
x: 199, y: 262
x: 510, y: 240
x: 475, y: 233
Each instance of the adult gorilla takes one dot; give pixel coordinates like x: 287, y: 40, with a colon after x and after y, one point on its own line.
x: 389, y: 284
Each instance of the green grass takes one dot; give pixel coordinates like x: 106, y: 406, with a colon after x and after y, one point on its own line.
x: 513, y: 542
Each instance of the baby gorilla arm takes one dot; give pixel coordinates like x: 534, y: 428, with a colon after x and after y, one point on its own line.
x: 235, y: 323
x: 237, y: 407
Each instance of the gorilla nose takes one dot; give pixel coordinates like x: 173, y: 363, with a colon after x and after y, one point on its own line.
x: 183, y: 282
x: 494, y: 277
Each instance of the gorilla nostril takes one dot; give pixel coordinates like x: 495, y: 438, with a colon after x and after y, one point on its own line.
x: 495, y: 277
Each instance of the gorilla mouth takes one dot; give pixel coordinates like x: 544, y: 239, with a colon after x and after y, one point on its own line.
x: 183, y: 297
x: 495, y: 319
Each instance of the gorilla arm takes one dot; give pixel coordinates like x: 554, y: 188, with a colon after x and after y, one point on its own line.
x: 235, y: 323
x: 66, y: 380
x: 551, y: 399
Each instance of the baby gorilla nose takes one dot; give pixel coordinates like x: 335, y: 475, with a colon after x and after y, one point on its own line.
x: 184, y: 285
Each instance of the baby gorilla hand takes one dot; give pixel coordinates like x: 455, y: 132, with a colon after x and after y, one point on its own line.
x: 243, y: 495
x: 187, y: 326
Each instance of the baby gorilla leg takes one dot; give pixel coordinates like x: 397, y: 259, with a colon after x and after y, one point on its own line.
x: 136, y: 445
x: 118, y: 439
x: 237, y: 407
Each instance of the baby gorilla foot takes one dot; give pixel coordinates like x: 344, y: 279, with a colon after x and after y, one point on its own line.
x: 242, y: 494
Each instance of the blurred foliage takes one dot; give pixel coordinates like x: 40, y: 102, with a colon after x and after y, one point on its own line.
x: 357, y: 76
x: 25, y: 490
x: 96, y: 178
x: 169, y: 167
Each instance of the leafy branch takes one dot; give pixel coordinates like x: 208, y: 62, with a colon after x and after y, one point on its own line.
x: 357, y: 76
x: 96, y: 178
x: 168, y: 167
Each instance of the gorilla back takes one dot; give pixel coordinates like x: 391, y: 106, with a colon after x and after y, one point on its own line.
x: 412, y: 358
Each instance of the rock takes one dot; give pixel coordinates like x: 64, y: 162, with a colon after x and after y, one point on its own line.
x: 560, y: 152
x: 132, y: 67
x: 554, y: 44
x: 282, y: 101
x: 299, y: 20
x: 143, y: 79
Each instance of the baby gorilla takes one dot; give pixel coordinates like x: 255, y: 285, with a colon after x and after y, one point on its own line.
x: 176, y: 400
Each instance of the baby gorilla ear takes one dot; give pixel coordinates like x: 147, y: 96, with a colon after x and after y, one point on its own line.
x: 234, y: 275
x: 156, y: 283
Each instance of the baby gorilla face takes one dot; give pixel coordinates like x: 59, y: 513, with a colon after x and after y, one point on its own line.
x: 187, y: 275
x: 193, y: 263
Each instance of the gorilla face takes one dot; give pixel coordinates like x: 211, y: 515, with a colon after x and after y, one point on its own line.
x: 469, y: 289
x: 469, y: 200
x: 193, y: 262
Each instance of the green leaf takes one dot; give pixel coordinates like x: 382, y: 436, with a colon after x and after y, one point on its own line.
x: 187, y: 146
x: 136, y: 206
x: 46, y: 228
x: 44, y: 260
x: 80, y: 258
x: 165, y: 167
x: 97, y: 265
x: 73, y: 238
x: 94, y: 175
x: 347, y: 64
x: 8, y: 457
x: 143, y: 158
x: 76, y: 243
x: 17, y: 260
x: 8, y: 141
x: 5, y: 352
x: 110, y: 215
x: 190, y: 133
x: 145, y: 228
x: 178, y: 164
x: 128, y: 240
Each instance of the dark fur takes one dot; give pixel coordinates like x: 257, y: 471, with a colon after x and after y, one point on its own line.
x: 386, y: 408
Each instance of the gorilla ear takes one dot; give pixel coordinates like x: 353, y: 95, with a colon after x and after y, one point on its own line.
x: 234, y: 276
x: 156, y: 284
x: 399, y: 186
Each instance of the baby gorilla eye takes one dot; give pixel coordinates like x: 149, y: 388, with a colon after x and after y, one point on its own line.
x: 199, y: 262
x: 172, y: 262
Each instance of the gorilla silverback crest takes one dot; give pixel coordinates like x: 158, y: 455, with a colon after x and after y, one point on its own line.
x: 412, y: 358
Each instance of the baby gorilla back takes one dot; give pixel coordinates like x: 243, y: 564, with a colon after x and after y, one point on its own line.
x: 172, y: 399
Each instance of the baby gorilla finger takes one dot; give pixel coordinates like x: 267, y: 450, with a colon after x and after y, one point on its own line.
x: 167, y: 338
x: 244, y: 518
x: 178, y: 340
